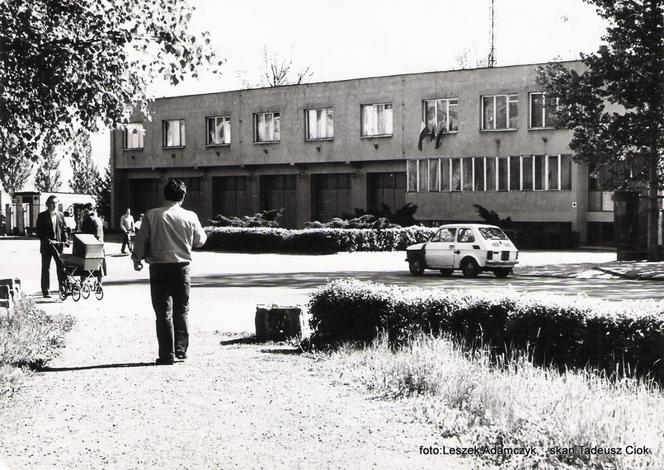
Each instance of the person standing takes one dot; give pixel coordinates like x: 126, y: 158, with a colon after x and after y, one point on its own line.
x: 165, y: 241
x: 91, y: 224
x: 127, y: 226
x: 50, y: 230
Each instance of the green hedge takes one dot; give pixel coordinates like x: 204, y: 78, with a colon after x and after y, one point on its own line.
x: 626, y: 337
x: 321, y: 240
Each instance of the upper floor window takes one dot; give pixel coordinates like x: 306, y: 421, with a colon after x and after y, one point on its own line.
x: 133, y: 135
x: 173, y: 131
x: 441, y: 115
x: 266, y: 127
x: 219, y: 130
x: 320, y: 123
x: 541, y: 108
x: 500, y: 112
x: 376, y: 120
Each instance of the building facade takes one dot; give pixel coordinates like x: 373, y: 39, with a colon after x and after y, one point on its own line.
x: 441, y: 140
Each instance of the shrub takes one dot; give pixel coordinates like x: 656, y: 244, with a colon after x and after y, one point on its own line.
x: 319, y: 240
x: 566, y: 332
x: 29, y: 337
x: 266, y: 218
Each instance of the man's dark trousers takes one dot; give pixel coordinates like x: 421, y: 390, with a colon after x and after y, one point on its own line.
x: 169, y: 288
x: 47, y: 254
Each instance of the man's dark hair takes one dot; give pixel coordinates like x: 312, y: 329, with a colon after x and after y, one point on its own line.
x: 175, y: 190
x: 50, y: 198
x: 89, y: 206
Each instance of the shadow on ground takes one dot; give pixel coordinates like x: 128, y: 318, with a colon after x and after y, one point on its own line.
x: 98, y: 366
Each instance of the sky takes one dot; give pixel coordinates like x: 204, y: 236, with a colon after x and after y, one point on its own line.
x: 344, y: 39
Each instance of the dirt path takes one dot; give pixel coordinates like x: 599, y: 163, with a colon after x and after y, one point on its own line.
x: 104, y: 405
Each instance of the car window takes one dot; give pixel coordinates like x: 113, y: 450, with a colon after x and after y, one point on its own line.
x: 447, y: 234
x: 466, y: 235
x: 492, y: 233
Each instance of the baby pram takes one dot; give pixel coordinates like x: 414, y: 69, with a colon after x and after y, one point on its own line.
x: 83, y: 268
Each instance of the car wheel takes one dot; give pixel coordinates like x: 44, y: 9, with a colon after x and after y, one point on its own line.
x: 502, y: 272
x: 416, y: 267
x: 446, y: 272
x: 470, y: 268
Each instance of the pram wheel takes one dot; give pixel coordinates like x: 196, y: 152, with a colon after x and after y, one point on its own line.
x: 76, y: 292
x: 62, y: 291
x: 85, y: 290
x: 99, y: 292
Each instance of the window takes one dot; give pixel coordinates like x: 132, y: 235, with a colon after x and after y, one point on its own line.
x: 490, y: 163
x: 540, y: 110
x: 266, y: 127
x: 434, y: 175
x: 445, y: 174
x: 441, y: 115
x: 411, y: 177
x: 500, y: 112
x: 478, y: 173
x: 467, y: 171
x: 173, y: 131
x: 515, y: 174
x: 423, y: 175
x: 319, y: 123
x: 219, y: 130
x: 133, y: 135
x: 466, y: 236
x: 456, y: 174
x: 503, y: 173
x: 565, y: 172
x: 376, y: 120
x: 445, y: 235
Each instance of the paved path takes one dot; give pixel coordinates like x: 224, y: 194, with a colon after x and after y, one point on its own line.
x: 102, y: 404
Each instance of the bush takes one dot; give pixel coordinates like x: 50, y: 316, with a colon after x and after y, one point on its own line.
x: 29, y: 337
x: 320, y: 240
x: 266, y: 218
x: 566, y: 332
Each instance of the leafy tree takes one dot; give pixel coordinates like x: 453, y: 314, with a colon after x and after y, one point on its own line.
x: 85, y: 175
x: 48, y: 176
x: 615, y: 105
x: 70, y: 64
x: 103, y: 193
x: 15, y: 170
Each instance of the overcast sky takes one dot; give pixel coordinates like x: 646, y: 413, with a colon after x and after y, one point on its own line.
x: 344, y: 39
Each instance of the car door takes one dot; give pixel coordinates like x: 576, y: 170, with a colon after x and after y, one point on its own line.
x: 465, y: 243
x: 439, y: 251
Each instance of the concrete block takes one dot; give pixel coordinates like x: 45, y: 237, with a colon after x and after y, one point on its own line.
x: 277, y: 323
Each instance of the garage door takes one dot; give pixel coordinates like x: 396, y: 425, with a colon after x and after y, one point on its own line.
x: 386, y: 189
x: 230, y: 196
x: 330, y: 196
x: 277, y: 192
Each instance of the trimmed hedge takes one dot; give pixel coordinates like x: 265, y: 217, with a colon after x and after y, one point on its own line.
x: 623, y: 337
x: 325, y: 240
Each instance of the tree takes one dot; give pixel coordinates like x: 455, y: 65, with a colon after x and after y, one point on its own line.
x: 72, y: 64
x: 103, y: 193
x: 48, y: 176
x: 615, y: 106
x: 277, y: 71
x: 15, y: 172
x: 85, y: 175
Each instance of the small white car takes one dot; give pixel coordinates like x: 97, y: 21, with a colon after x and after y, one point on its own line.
x: 472, y: 248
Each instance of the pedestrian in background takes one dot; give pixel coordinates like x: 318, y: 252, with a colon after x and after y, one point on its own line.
x: 127, y: 226
x: 165, y: 241
x: 92, y: 224
x: 51, y: 232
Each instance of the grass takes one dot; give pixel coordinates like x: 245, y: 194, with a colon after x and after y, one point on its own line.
x: 29, y: 338
x: 511, y: 403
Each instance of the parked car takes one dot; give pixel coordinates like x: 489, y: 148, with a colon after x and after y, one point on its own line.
x: 472, y: 248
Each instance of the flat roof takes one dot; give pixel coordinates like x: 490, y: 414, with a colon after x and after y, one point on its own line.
x: 367, y: 78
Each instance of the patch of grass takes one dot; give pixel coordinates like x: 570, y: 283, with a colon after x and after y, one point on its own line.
x: 29, y: 338
x: 509, y: 402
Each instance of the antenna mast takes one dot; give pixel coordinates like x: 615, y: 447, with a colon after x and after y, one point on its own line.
x: 491, y: 62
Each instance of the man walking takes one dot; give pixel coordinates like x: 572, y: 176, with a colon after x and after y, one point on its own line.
x: 165, y: 241
x: 127, y: 226
x: 50, y: 230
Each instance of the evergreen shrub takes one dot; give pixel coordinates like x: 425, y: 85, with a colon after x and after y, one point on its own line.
x: 626, y: 337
